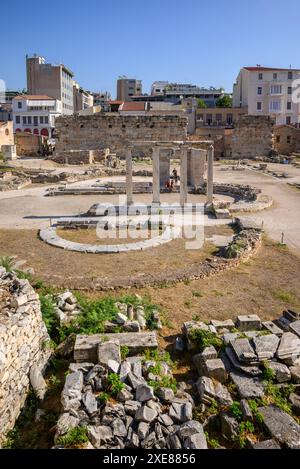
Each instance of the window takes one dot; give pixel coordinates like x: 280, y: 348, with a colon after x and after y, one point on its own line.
x: 289, y: 105
x: 288, y: 139
x: 275, y: 76
x: 289, y: 90
x: 29, y: 120
x: 24, y: 120
x: 260, y: 76
x: 219, y: 118
x: 229, y: 119
x: 275, y: 106
x: 258, y: 106
x: 276, y: 89
x: 278, y: 138
x: 41, y: 120
x: 209, y: 119
x: 35, y: 120
x: 290, y: 75
x: 46, y: 120
x: 19, y: 104
x: 288, y: 120
x: 259, y: 90
x: 18, y: 119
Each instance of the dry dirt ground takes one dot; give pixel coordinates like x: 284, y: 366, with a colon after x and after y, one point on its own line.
x: 61, y: 268
x: 266, y: 284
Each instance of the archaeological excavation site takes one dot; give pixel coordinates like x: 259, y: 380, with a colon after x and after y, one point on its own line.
x: 149, y: 289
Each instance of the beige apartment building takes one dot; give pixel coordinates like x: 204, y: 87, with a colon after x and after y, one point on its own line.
x: 82, y: 99
x: 128, y: 87
x: 269, y: 92
x: 55, y: 81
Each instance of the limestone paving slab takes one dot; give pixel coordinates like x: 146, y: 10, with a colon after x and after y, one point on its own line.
x: 86, y: 346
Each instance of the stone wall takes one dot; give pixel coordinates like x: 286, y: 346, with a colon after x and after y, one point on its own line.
x: 28, y: 144
x: 77, y: 157
x: 115, y: 132
x: 252, y: 137
x: 23, y: 344
x: 286, y: 139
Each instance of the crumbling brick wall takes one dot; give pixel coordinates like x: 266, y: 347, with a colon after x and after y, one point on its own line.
x: 115, y: 132
x: 252, y: 137
x: 286, y: 139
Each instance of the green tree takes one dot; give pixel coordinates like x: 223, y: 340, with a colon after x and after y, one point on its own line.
x: 224, y: 101
x: 201, y: 104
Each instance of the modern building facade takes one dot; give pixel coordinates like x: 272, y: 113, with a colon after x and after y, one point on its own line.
x: 55, y: 81
x: 102, y: 100
x: 268, y: 91
x: 128, y: 87
x: 176, y: 92
x: 81, y: 99
x: 36, y: 114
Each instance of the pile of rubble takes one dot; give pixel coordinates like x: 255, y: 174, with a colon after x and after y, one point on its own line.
x: 67, y: 308
x: 242, y: 353
x: 117, y: 407
x: 127, y: 319
x: 133, y: 319
x: 13, y: 181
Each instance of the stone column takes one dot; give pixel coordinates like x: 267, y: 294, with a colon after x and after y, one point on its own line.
x: 210, y: 175
x: 183, y: 176
x: 196, y: 166
x: 129, y: 184
x: 164, y: 166
x: 156, y: 177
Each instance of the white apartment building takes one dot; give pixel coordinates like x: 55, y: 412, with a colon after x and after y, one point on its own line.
x: 35, y: 114
x: 268, y: 91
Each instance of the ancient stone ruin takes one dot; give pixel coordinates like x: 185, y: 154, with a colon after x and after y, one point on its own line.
x: 23, y: 347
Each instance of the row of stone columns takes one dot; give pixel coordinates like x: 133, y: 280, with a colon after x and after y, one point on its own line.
x: 186, y: 171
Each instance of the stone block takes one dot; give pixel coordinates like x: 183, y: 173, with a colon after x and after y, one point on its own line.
x: 248, y: 322
x: 109, y: 350
x: 85, y: 349
x: 215, y: 369
x: 281, y: 426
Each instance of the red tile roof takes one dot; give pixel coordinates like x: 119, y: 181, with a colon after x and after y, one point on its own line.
x: 132, y: 106
x: 269, y: 69
x: 116, y: 102
x: 34, y: 97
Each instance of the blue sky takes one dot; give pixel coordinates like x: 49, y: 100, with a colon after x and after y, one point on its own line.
x: 194, y: 41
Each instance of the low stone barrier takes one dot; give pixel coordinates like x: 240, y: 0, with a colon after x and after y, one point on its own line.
x: 244, y: 245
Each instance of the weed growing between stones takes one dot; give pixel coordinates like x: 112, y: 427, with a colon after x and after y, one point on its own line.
x: 203, y: 339
x: 76, y: 438
x: 115, y: 384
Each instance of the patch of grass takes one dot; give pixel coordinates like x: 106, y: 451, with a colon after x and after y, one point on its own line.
x: 124, y: 351
x: 236, y: 411
x: 103, y: 397
x: 75, y: 438
x: 158, y: 356
x: 254, y: 409
x: 198, y: 294
x: 285, y: 296
x: 278, y: 396
x: 245, y: 429
x: 164, y: 382
x: 268, y: 374
x: 203, y: 339
x: 188, y: 303
x: 213, y: 408
x: 212, y: 442
x: 49, y: 316
x: 115, y: 383
x: 7, y: 262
